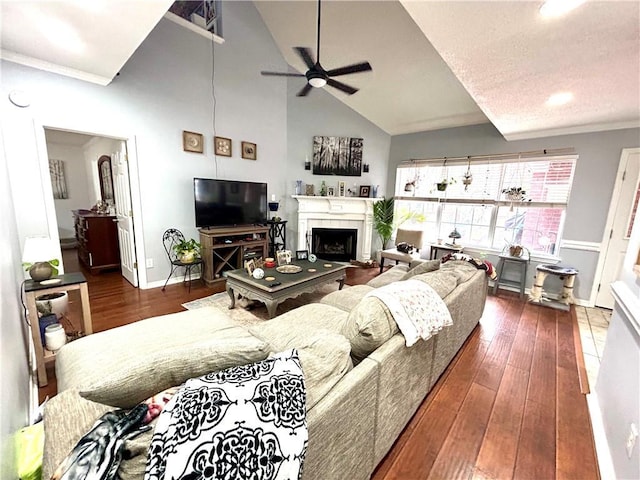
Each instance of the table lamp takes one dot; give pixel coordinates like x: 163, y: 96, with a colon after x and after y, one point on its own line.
x: 38, y: 255
x: 454, y: 234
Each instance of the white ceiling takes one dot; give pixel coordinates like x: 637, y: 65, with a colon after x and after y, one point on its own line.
x: 502, y: 60
x: 86, y: 39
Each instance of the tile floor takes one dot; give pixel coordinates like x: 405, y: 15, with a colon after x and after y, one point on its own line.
x: 593, y: 323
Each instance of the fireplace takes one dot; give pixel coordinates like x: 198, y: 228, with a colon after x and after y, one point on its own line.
x: 336, y: 244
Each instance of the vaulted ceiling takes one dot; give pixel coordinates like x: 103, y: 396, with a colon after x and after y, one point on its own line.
x: 435, y: 64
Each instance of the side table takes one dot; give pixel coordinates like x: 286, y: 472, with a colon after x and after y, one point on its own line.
x: 521, y: 263
x: 68, y: 281
x: 436, y: 247
x: 277, y: 236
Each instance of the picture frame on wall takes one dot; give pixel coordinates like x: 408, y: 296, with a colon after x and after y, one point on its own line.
x: 365, y: 191
x: 222, y: 146
x: 342, y: 188
x: 192, y: 142
x: 337, y: 156
x: 249, y: 151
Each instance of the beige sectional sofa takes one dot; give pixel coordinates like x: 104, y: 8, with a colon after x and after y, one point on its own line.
x: 363, y: 383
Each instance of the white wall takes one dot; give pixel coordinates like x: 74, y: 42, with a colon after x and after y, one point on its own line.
x: 165, y: 88
x: 618, y: 384
x: 14, y: 333
x: 320, y: 113
x: 79, y: 187
x: 590, y: 196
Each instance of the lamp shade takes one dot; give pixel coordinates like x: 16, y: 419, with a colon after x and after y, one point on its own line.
x: 38, y: 249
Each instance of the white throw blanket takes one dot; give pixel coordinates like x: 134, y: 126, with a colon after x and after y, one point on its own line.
x: 416, y: 307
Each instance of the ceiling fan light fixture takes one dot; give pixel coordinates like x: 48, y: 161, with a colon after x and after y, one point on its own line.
x: 317, y: 82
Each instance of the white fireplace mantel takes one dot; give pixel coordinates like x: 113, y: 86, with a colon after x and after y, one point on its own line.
x: 337, y: 212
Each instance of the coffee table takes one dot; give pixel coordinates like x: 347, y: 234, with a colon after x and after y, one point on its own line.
x: 291, y: 284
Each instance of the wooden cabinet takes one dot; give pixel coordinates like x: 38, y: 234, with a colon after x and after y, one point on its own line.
x: 227, y: 248
x: 97, y: 237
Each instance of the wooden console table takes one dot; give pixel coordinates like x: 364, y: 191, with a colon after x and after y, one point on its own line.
x: 226, y: 248
x: 68, y: 281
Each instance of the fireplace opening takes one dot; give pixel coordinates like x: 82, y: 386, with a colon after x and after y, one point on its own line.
x: 336, y: 244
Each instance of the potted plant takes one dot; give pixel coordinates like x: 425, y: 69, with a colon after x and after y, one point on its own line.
x: 444, y: 183
x: 383, y: 219
x: 514, y: 194
x: 40, y: 271
x: 187, y: 250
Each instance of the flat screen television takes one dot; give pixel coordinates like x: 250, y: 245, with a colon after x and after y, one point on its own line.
x: 223, y: 203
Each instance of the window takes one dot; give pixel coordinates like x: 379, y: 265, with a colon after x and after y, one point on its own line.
x: 483, y: 215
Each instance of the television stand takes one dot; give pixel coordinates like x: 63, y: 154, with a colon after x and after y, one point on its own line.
x: 226, y: 248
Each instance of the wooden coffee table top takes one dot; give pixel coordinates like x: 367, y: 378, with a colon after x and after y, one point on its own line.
x: 287, y: 280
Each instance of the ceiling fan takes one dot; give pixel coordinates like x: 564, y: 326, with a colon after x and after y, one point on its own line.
x: 317, y: 76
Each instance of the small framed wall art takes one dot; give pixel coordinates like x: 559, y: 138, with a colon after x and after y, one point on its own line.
x: 249, y: 150
x: 364, y: 190
x: 192, y: 142
x: 222, y: 146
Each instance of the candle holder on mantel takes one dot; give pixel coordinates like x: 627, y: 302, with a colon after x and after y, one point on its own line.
x: 273, y: 208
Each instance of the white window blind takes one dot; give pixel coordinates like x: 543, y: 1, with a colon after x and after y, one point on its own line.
x: 482, y: 213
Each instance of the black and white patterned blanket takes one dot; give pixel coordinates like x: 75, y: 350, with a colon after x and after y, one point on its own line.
x: 245, y: 422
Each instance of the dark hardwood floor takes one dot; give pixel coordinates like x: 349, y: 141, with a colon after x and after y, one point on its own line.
x: 508, y: 406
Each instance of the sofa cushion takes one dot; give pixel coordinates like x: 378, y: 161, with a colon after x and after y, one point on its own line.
x: 442, y: 282
x: 347, y: 298
x: 462, y: 269
x: 393, y: 274
x: 374, y: 325
x: 423, y: 267
x: 325, y: 356
x: 131, y: 381
x: 87, y: 360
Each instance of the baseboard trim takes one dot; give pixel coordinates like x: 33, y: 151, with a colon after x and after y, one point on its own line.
x: 603, y: 454
x: 172, y: 281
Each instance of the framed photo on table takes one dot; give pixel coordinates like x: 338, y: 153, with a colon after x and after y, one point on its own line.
x: 283, y: 257
x: 302, y: 254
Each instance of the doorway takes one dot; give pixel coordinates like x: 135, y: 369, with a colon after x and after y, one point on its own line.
x: 626, y: 193
x: 81, y: 157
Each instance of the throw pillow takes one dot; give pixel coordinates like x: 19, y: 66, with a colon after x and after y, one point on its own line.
x: 373, y: 325
x: 424, y: 267
x: 131, y: 383
x: 242, y: 422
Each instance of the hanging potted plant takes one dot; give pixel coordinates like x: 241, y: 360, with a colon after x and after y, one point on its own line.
x: 444, y: 183
x: 187, y: 250
x: 514, y: 194
x: 467, y: 178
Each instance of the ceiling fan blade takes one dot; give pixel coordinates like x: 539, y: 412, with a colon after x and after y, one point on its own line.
x: 355, y: 68
x: 305, y: 90
x: 305, y: 53
x: 282, y: 74
x: 342, y: 86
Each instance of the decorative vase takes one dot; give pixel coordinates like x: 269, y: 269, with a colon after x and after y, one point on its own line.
x: 374, y: 191
x: 54, y: 337
x: 40, y: 271
x: 298, y: 187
